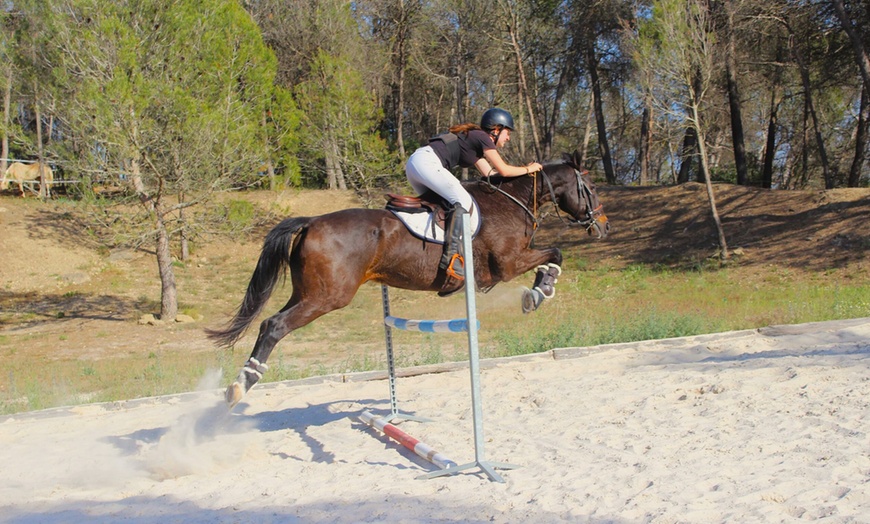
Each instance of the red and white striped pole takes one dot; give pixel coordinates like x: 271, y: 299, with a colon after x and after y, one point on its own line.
x: 420, y: 448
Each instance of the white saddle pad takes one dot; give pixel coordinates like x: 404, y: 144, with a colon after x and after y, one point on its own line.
x: 420, y: 224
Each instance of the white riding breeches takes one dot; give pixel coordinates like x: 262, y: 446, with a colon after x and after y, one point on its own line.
x: 424, y: 171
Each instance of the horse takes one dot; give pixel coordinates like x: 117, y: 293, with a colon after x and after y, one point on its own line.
x: 19, y: 172
x: 330, y: 256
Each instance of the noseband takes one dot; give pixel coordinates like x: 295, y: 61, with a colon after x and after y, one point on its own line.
x: 584, y: 192
x: 595, y: 217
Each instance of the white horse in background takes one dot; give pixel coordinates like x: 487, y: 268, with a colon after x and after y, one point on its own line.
x: 19, y: 172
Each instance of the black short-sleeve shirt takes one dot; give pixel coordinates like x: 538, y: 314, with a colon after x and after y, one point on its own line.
x: 471, y: 148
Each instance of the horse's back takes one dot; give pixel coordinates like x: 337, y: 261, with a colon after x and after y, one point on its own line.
x: 358, y: 226
x: 355, y: 216
x: 368, y: 245
x: 19, y: 171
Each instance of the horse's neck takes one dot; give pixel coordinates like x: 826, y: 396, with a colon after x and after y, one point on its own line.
x: 519, y: 188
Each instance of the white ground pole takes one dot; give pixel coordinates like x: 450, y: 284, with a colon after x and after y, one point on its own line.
x: 470, y: 325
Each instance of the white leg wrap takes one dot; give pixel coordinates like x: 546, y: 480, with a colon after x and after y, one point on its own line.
x: 253, y: 366
x: 545, y: 283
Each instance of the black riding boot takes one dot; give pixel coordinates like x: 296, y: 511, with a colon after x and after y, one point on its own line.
x: 452, y: 260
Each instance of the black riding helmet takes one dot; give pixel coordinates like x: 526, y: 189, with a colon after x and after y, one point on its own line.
x: 496, y: 117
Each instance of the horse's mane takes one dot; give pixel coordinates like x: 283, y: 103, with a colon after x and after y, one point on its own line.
x: 498, y: 180
x: 510, y: 180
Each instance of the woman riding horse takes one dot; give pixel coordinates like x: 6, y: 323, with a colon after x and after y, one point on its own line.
x: 330, y: 256
x: 464, y: 145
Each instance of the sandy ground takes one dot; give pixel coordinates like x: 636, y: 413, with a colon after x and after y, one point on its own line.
x: 752, y: 426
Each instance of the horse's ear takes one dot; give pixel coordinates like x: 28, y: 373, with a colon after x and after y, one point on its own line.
x: 578, y: 158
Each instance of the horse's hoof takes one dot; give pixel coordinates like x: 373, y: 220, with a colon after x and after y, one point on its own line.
x: 532, y: 299
x: 234, y: 394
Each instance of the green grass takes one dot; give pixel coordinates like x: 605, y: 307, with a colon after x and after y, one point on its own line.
x: 592, y: 306
x: 639, y: 303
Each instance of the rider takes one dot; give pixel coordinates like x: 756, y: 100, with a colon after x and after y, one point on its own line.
x: 465, y: 145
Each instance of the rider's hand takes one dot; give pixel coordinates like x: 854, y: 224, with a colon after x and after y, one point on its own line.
x: 534, y: 167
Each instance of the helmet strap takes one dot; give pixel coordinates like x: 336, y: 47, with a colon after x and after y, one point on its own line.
x: 495, y: 135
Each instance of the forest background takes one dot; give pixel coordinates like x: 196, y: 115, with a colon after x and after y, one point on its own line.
x: 167, y: 102
x: 150, y: 111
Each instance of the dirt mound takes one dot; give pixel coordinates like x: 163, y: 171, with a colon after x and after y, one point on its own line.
x: 813, y: 230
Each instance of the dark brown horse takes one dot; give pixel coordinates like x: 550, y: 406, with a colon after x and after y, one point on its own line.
x: 331, y: 256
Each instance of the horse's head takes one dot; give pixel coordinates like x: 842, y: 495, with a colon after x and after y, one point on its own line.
x: 573, y: 191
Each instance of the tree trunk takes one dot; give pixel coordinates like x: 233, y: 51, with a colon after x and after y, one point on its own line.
x: 461, y: 81
x: 687, y: 153
x: 737, y: 137
x: 645, y: 143
x: 770, y: 145
x: 800, y: 178
x: 185, y: 243
x: 702, y: 154
x: 524, y: 92
x: 7, y: 105
x: 603, y: 145
x: 861, y: 133
x: 550, y: 134
x: 734, y: 102
x: 267, y: 148
x: 401, y: 59
x: 587, y: 133
x: 856, y: 39
x: 400, y: 111
x: 44, y: 190
x: 810, y: 105
x: 168, y: 290
x: 334, y: 175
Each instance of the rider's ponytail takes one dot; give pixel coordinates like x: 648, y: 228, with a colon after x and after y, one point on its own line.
x: 463, y: 128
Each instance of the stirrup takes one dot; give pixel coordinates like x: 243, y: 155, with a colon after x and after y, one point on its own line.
x: 454, y: 272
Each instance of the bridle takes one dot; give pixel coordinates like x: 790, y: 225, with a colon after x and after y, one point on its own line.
x: 594, y: 217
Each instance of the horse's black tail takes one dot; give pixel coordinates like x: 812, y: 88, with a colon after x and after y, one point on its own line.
x: 273, y: 263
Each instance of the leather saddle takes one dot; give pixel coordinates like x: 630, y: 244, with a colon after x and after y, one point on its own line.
x: 428, y: 202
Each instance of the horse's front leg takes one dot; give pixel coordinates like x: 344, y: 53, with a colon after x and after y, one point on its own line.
x: 547, y: 263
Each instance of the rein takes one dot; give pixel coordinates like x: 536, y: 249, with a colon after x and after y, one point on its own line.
x: 584, y: 193
x: 524, y: 207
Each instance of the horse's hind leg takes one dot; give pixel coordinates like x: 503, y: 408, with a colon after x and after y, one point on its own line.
x: 322, y: 288
x: 328, y: 263
x: 294, y: 315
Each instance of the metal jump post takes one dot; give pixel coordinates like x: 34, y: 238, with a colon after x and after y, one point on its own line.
x: 470, y: 325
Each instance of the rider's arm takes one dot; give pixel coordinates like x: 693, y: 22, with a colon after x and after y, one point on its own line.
x: 491, y: 159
